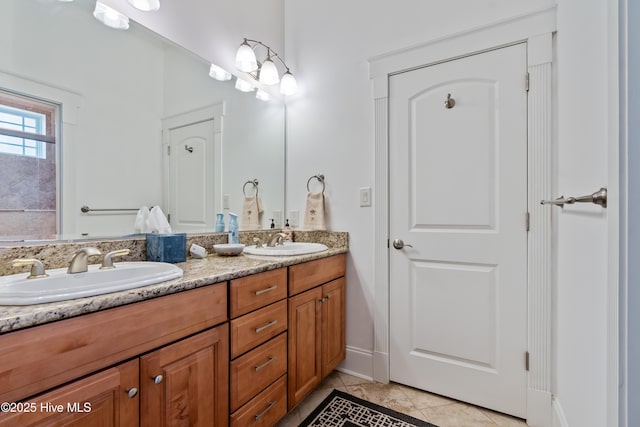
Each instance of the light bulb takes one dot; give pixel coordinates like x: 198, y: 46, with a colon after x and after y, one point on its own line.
x: 146, y: 5
x: 244, y: 86
x: 110, y: 17
x: 288, y: 84
x: 269, y: 73
x: 219, y: 73
x: 262, y: 95
x: 246, y: 58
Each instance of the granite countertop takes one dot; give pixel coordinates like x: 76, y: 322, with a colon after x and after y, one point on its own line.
x: 197, y: 273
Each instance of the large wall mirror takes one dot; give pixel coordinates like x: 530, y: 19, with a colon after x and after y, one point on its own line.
x: 123, y: 97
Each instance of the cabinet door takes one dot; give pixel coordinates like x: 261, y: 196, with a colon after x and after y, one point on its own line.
x: 186, y: 383
x: 305, y: 369
x: 101, y: 399
x: 333, y: 325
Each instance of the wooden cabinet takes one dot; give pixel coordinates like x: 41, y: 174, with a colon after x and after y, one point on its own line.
x: 186, y: 383
x: 108, y: 398
x: 316, y: 326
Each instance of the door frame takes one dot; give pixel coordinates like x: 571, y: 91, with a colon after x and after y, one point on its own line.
x: 213, y: 112
x: 536, y: 29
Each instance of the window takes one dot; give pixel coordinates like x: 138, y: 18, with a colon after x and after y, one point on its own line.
x: 26, y: 126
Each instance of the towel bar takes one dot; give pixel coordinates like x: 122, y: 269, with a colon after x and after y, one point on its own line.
x: 255, y: 186
x: 86, y: 209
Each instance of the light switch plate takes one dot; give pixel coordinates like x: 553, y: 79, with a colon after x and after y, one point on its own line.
x: 365, y: 196
x: 225, y: 201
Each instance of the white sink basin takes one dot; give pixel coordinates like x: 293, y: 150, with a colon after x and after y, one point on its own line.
x: 59, y: 286
x: 288, y: 249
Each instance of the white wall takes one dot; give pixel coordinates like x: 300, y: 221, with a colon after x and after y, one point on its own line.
x: 330, y: 130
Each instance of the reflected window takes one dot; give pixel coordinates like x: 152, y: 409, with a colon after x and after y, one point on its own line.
x: 28, y: 172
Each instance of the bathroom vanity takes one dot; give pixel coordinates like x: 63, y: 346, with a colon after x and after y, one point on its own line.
x: 236, y: 341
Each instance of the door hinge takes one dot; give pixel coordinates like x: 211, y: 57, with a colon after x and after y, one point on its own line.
x: 528, y: 221
x: 168, y: 150
x: 388, y: 244
x: 526, y: 82
x: 168, y: 217
x: 526, y: 360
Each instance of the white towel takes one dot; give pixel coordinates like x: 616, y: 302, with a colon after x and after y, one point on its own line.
x: 251, y: 210
x: 157, y: 222
x: 314, y: 212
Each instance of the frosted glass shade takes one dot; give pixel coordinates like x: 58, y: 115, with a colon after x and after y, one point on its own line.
x: 269, y: 73
x: 219, y: 73
x: 262, y: 95
x: 146, y: 5
x: 110, y: 17
x: 246, y: 58
x: 243, y: 86
x: 288, y: 84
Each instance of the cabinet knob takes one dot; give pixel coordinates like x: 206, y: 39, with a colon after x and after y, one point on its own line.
x: 158, y: 379
x: 132, y: 392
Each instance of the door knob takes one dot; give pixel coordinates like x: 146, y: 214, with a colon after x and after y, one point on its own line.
x: 399, y: 244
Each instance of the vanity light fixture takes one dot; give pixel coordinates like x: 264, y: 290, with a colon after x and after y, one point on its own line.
x: 265, y: 72
x: 110, y: 17
x: 219, y: 73
x: 146, y: 5
x: 244, y: 86
x: 262, y: 95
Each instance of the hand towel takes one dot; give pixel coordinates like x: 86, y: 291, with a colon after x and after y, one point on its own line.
x: 251, y: 210
x: 314, y: 212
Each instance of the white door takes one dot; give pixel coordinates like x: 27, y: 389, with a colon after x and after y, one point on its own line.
x: 191, y: 183
x: 458, y: 195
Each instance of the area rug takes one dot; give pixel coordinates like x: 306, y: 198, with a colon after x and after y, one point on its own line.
x: 341, y: 409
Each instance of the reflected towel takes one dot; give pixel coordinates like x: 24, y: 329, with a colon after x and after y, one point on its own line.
x: 251, y: 210
x: 140, y: 226
x: 314, y: 212
x: 157, y: 222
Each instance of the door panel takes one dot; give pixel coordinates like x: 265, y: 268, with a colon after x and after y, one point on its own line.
x: 458, y: 196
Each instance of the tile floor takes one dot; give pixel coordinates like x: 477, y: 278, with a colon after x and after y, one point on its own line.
x: 435, y: 409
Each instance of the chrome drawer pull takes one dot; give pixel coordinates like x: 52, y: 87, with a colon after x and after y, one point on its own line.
x: 268, y: 325
x: 264, y: 291
x: 271, y: 405
x: 265, y: 364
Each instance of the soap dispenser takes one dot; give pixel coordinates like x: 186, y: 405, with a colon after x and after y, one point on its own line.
x: 233, y: 228
x: 219, y: 222
x: 288, y: 231
x: 273, y: 224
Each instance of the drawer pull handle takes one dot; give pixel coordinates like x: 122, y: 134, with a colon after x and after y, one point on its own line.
x: 132, y: 392
x: 265, y: 364
x: 271, y: 405
x: 264, y: 291
x: 157, y: 379
x: 268, y: 325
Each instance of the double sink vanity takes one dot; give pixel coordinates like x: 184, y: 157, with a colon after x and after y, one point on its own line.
x: 235, y: 341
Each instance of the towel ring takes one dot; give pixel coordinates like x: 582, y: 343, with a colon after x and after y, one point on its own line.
x: 255, y: 187
x: 320, y: 178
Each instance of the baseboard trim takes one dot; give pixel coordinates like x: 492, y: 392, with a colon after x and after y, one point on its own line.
x: 539, y: 408
x: 358, y: 362
x: 559, y: 420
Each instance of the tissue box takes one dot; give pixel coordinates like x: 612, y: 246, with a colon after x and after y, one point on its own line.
x: 167, y: 247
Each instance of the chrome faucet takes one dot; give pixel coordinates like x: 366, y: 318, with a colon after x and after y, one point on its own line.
x: 37, y: 269
x: 276, y: 240
x: 79, y: 262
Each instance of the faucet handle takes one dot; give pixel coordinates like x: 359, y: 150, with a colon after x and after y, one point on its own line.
x: 37, y: 269
x: 258, y: 242
x: 107, y: 262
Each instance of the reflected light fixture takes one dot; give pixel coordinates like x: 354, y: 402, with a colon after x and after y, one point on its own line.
x: 146, y: 5
x: 110, y: 17
x: 266, y: 71
x: 244, y: 86
x: 219, y: 73
x: 262, y: 95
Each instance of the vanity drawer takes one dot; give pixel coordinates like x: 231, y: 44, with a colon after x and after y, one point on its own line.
x: 313, y: 273
x: 265, y: 409
x: 252, y: 372
x: 255, y: 328
x: 252, y: 292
